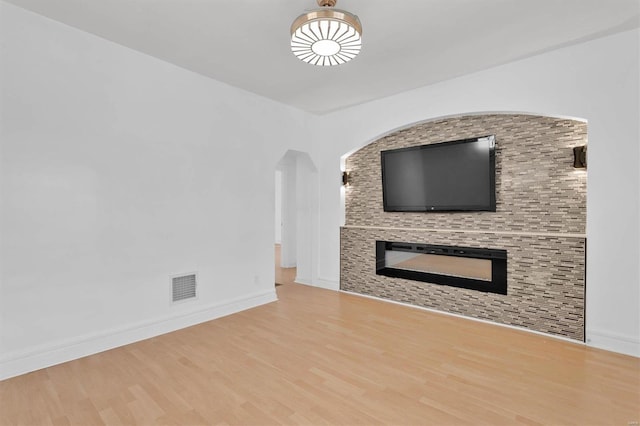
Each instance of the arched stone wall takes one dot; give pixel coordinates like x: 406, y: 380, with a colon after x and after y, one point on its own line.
x: 540, y: 221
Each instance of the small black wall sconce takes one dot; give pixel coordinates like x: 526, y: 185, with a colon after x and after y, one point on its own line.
x: 580, y: 157
x: 346, y: 178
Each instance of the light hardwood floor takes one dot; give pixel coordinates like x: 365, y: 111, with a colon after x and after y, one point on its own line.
x: 323, y: 357
x: 283, y: 275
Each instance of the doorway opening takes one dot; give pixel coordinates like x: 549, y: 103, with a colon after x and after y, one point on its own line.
x: 283, y: 275
x: 295, y: 199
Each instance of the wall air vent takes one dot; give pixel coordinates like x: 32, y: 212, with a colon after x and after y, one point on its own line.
x: 183, y: 287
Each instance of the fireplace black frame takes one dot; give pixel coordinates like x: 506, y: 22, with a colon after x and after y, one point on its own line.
x: 498, y: 257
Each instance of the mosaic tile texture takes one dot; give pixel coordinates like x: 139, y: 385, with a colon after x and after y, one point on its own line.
x: 537, y: 189
x: 545, y: 277
x: 537, y: 192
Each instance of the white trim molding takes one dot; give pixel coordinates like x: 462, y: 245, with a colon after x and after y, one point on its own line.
x: 319, y: 282
x: 614, y: 342
x: 599, y: 339
x: 408, y: 305
x: 473, y: 231
x: 327, y: 283
x: 35, y: 358
x: 303, y: 280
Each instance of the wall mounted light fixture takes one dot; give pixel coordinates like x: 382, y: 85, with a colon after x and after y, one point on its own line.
x: 346, y: 178
x: 580, y: 157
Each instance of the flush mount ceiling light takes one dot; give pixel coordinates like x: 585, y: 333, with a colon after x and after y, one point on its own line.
x: 326, y: 37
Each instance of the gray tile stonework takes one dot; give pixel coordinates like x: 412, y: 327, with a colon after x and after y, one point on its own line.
x: 545, y: 278
x: 537, y: 192
x: 537, y: 189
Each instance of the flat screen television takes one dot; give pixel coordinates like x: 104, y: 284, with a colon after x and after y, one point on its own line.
x: 449, y: 176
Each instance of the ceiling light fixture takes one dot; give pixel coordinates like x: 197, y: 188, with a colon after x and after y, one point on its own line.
x: 326, y: 37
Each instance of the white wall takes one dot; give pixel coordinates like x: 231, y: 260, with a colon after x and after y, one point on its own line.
x: 306, y: 206
x: 278, y: 207
x: 288, y: 250
x: 299, y: 206
x: 596, y: 81
x: 119, y: 170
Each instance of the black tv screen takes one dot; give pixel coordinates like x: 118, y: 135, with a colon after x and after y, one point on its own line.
x: 448, y: 176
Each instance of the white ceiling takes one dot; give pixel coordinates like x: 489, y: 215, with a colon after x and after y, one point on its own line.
x: 406, y: 43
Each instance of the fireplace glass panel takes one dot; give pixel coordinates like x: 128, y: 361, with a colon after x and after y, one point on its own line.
x: 464, y: 267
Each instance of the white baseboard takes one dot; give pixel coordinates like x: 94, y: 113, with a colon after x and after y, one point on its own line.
x: 35, y: 358
x: 566, y: 339
x: 623, y: 344
x: 328, y: 284
x: 302, y: 280
x: 614, y: 342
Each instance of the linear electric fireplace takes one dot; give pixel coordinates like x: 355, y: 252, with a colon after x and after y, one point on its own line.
x: 481, y: 269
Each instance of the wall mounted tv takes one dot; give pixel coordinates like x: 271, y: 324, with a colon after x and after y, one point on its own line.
x: 449, y: 176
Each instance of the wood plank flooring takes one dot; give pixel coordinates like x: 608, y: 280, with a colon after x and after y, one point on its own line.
x: 322, y: 357
x: 283, y: 275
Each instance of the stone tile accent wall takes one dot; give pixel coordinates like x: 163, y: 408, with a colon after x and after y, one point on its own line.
x: 540, y: 221
x: 537, y: 188
x: 545, y: 276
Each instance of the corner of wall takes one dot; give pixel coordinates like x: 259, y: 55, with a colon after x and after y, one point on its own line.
x: 35, y: 358
x: 327, y: 284
x: 601, y: 339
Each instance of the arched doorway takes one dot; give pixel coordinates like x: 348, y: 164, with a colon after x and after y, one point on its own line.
x: 296, y: 192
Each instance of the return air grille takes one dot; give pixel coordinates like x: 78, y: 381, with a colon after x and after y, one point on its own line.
x: 183, y: 287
